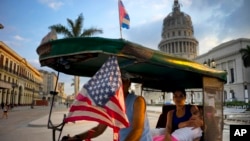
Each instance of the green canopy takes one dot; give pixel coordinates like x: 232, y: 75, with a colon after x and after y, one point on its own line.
x: 152, y: 68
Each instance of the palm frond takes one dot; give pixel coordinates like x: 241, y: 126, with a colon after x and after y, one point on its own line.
x: 245, y: 56
x: 70, y: 25
x: 75, y: 28
x: 90, y: 32
x: 60, y: 29
x: 78, y: 25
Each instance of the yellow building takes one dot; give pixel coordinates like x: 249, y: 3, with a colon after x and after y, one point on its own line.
x: 20, y: 82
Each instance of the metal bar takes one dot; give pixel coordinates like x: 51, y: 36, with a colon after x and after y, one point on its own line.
x: 50, y: 124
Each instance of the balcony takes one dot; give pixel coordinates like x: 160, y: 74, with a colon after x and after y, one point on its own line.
x: 5, y: 85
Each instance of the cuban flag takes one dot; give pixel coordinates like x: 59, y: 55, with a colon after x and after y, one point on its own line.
x: 123, y: 16
x: 101, y: 99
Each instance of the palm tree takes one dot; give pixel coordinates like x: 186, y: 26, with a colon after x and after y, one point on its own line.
x: 75, y: 30
x: 246, y: 56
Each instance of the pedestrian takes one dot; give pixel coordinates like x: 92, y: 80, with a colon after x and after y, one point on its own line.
x: 5, y: 111
x: 2, y: 105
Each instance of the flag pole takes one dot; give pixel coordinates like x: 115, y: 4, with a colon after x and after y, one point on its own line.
x: 119, y: 19
x: 120, y: 31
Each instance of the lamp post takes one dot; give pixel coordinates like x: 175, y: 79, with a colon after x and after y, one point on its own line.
x: 32, y: 103
x: 14, y: 85
x: 210, y: 63
x: 192, y: 97
x: 245, y: 92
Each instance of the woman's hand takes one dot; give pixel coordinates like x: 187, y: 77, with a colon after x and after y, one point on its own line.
x: 195, y: 122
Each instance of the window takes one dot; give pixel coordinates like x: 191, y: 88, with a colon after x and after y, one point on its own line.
x: 176, y: 47
x: 225, y: 95
x: 1, y: 60
x: 11, y: 65
x: 226, y: 71
x: 232, y: 94
x: 173, y: 49
x: 232, y: 75
x: 7, y: 63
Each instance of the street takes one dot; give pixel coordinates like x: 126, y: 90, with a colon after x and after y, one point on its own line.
x: 26, y: 124
x: 18, y: 127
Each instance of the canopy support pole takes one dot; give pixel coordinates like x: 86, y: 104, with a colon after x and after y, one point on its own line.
x: 50, y: 124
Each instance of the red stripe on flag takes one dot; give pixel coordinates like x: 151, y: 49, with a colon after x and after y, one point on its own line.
x: 90, y: 109
x: 81, y: 97
x: 119, y: 113
x: 122, y: 11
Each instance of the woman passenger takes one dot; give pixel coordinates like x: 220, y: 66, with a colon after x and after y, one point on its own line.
x: 182, y: 116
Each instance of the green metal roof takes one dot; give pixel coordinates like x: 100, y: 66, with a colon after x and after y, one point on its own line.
x: 152, y: 68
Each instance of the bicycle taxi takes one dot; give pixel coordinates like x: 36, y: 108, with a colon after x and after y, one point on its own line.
x: 150, y: 68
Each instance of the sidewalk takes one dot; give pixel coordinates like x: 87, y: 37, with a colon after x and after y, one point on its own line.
x: 57, y: 117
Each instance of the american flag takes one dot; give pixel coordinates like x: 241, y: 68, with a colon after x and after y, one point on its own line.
x: 123, y: 15
x: 101, y: 98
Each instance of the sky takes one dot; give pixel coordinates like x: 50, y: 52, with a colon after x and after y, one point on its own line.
x: 26, y: 22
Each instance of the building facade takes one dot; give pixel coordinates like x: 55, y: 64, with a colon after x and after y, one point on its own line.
x: 61, y: 97
x: 50, y: 84
x: 20, y: 82
x: 76, y: 84
x: 178, y: 34
x: 227, y: 57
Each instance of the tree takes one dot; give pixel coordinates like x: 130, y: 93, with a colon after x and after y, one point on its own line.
x: 246, y: 56
x: 75, y: 30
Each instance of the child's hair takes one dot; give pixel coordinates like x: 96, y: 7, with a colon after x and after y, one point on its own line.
x: 197, y: 112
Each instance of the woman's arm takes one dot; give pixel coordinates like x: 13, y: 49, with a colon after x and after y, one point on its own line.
x: 138, y: 120
x: 194, y: 121
x: 169, y: 126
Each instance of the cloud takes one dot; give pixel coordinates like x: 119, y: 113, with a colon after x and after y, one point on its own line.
x: 148, y: 34
x: 53, y: 4
x: 19, y: 38
x: 35, y: 63
x: 217, y: 22
x: 207, y: 42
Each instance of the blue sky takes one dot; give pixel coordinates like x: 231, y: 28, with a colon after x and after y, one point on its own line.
x: 26, y: 22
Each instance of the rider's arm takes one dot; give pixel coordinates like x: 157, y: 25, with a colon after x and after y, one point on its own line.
x: 169, y: 126
x: 138, y: 120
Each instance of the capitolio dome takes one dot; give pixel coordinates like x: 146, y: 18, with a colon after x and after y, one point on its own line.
x: 178, y: 34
